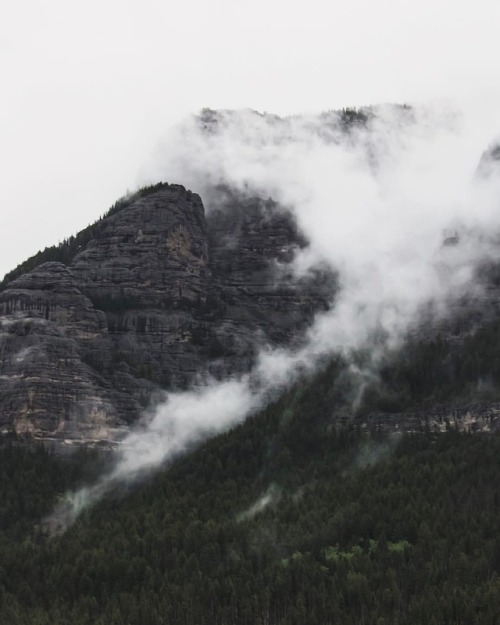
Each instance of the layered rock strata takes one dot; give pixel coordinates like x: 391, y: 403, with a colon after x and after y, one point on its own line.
x: 160, y: 295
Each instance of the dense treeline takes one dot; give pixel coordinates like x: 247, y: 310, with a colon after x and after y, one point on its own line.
x: 424, y: 373
x: 285, y: 520
x: 65, y: 251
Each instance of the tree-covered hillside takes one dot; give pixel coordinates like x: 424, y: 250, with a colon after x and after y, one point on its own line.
x: 423, y: 373
x: 285, y: 520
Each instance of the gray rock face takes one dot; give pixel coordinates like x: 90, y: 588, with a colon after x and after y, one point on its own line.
x: 158, y: 296
x: 489, y: 163
x: 150, y: 255
x: 472, y: 417
x: 46, y: 327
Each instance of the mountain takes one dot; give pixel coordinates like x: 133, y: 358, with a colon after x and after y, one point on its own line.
x: 283, y: 520
x: 150, y: 297
x: 159, y: 294
x: 358, y: 494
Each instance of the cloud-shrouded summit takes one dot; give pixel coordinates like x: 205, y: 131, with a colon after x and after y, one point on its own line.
x: 376, y: 192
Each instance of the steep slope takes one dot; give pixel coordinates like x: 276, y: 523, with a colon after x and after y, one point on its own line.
x: 45, y: 386
x: 148, y: 298
x: 276, y: 521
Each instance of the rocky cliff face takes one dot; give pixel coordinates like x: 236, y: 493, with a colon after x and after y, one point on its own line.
x: 152, y: 296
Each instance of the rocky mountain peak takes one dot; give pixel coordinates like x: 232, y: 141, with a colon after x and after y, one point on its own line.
x: 148, y: 298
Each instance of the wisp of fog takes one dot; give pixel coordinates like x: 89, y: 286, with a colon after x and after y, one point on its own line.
x: 375, y: 192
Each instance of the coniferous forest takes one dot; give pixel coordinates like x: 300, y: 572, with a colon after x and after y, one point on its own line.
x: 288, y: 519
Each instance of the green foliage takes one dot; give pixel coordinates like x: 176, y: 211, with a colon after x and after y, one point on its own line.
x: 30, y: 480
x: 355, y: 116
x: 422, y: 374
x: 397, y: 541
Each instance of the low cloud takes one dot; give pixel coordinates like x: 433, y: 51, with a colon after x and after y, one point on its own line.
x: 270, y: 498
x: 376, y: 196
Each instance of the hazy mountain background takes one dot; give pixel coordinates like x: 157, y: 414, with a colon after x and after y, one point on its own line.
x: 266, y: 391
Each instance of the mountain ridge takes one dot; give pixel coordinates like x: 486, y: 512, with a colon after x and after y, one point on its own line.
x: 153, y: 295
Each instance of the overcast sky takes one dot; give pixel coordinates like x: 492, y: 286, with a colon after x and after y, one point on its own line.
x: 89, y: 88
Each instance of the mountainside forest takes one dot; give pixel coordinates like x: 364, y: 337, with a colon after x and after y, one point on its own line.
x: 346, y: 474
x: 285, y: 519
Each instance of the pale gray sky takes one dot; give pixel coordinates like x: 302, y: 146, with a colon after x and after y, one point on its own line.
x: 89, y: 88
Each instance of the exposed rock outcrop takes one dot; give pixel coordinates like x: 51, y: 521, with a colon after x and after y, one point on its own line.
x: 157, y: 295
